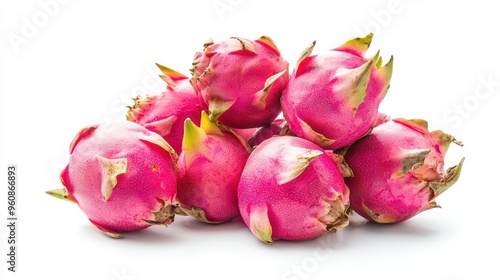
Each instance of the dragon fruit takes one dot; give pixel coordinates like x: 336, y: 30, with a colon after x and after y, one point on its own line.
x: 246, y: 133
x: 210, y: 166
x: 122, y: 176
x: 292, y: 189
x: 399, y: 170
x: 165, y: 113
x: 278, y: 127
x: 241, y: 81
x: 381, y: 118
x: 332, y: 98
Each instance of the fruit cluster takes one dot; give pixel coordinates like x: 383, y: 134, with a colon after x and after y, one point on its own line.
x: 291, y: 153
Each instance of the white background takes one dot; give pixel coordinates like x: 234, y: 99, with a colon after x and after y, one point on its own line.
x: 78, y: 63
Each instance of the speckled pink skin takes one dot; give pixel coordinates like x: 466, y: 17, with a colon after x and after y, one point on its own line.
x: 332, y: 98
x: 381, y: 118
x: 276, y: 128
x: 234, y: 78
x: 146, y: 185
x: 209, y: 178
x: 246, y: 133
x: 398, y: 171
x: 165, y: 113
x: 276, y: 204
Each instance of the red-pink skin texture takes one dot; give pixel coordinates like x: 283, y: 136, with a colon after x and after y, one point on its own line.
x: 293, y: 206
x: 268, y: 131
x: 211, y: 183
x: 374, y: 161
x: 310, y: 96
x: 180, y: 101
x: 151, y: 174
x: 381, y: 119
x: 232, y: 74
x: 246, y: 133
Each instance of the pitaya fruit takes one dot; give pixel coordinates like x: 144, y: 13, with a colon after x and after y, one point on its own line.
x: 246, y: 133
x: 292, y: 189
x: 381, y: 118
x: 210, y: 166
x: 241, y: 80
x: 165, y: 113
x: 278, y: 127
x: 399, y: 170
x: 332, y: 98
x: 122, y: 176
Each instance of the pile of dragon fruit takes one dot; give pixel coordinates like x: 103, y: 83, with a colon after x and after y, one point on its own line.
x: 291, y: 153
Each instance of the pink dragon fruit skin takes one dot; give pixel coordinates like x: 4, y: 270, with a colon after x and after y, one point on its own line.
x: 278, y: 127
x: 332, y: 98
x: 246, y: 133
x: 399, y: 170
x: 292, y: 189
x: 381, y: 118
x: 241, y: 81
x: 122, y: 176
x: 210, y: 166
x: 165, y: 113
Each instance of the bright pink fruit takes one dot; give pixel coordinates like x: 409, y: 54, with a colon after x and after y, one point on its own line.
x: 210, y: 166
x: 332, y: 98
x: 122, y: 176
x: 246, y: 133
x: 165, y: 113
x: 241, y: 81
x: 292, y: 189
x: 278, y: 127
x: 399, y: 170
x: 381, y: 118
